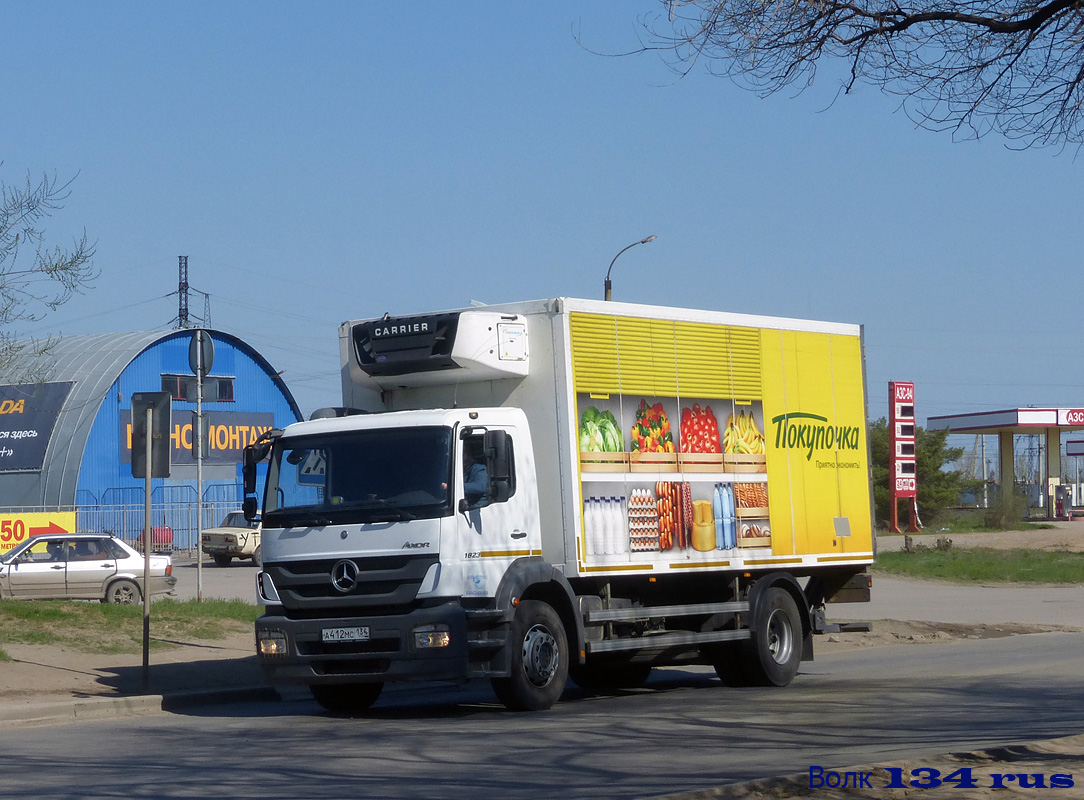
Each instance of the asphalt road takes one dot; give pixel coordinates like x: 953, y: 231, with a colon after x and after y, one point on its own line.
x: 238, y: 580
x: 683, y: 732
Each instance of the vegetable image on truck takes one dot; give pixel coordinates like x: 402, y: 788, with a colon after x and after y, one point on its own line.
x: 662, y: 487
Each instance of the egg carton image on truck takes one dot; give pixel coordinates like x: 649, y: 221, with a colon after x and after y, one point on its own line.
x: 565, y: 488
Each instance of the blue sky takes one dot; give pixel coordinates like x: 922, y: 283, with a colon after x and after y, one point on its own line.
x: 331, y: 161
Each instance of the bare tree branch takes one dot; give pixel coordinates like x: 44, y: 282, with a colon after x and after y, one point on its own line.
x: 970, y: 66
x: 34, y: 277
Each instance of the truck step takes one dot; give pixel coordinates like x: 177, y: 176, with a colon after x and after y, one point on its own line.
x: 485, y: 614
x: 627, y: 614
x: 666, y: 640
x: 484, y: 644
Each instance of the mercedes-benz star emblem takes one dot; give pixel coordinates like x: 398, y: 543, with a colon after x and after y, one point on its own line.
x: 344, y: 576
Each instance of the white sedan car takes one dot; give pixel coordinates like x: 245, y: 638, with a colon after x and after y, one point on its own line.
x: 82, y: 566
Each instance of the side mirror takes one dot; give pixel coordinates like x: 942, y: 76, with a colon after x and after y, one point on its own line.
x: 248, y: 507
x: 498, y: 450
x: 248, y: 471
x: 253, y: 455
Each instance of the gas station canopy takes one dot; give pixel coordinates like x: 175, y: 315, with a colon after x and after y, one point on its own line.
x: 1047, y: 422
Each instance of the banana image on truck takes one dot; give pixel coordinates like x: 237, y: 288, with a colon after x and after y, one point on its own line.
x: 662, y: 487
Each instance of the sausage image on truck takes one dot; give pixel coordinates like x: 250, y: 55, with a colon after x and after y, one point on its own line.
x: 659, y: 486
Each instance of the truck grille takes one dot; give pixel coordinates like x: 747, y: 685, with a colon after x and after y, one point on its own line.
x: 383, y: 583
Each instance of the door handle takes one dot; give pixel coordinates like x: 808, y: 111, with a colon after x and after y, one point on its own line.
x: 57, y: 566
x: 518, y: 534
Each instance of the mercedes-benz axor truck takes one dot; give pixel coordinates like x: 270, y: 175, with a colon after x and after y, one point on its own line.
x: 555, y: 488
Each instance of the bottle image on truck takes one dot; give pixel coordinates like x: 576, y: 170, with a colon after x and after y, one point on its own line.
x: 565, y: 488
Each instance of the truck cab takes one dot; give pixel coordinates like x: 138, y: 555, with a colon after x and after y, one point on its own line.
x: 388, y: 558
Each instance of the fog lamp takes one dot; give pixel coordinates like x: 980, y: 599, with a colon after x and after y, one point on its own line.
x: 270, y: 642
x: 426, y: 636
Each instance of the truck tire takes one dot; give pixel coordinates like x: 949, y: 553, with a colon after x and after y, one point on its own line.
x: 731, y: 664
x: 595, y: 675
x: 775, y: 649
x: 346, y: 698
x: 221, y: 559
x: 539, y: 659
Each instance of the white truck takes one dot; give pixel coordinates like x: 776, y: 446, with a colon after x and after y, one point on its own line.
x: 662, y: 487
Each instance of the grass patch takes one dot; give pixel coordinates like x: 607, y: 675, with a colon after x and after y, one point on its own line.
x: 983, y: 564
x: 106, y: 628
x: 974, y: 523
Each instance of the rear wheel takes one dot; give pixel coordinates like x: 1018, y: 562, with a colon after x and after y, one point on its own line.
x: 539, y: 659
x: 346, y: 698
x: 221, y: 559
x: 731, y: 664
x: 257, y: 557
x: 775, y: 649
x: 123, y: 592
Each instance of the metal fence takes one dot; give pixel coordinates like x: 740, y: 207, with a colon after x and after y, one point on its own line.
x: 174, y: 525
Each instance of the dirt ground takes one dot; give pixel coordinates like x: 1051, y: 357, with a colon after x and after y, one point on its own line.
x: 1064, y: 536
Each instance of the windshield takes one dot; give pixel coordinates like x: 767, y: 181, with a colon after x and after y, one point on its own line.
x: 236, y: 519
x: 360, y: 476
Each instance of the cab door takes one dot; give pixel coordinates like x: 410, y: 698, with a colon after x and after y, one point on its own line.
x: 492, y: 533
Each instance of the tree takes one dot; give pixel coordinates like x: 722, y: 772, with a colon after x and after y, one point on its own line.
x: 969, y: 66
x: 34, y: 278
x: 938, y: 489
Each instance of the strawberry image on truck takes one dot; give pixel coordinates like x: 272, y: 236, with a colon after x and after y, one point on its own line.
x: 662, y: 487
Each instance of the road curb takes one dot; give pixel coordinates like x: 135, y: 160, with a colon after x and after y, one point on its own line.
x: 35, y: 714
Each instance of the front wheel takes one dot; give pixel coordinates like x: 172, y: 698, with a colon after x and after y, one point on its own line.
x: 123, y: 592
x: 539, y: 659
x: 346, y: 698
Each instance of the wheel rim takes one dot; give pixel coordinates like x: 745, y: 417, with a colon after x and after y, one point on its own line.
x: 123, y: 595
x: 540, y: 655
x: 780, y: 637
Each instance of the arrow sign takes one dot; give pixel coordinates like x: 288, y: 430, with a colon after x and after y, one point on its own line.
x: 52, y: 527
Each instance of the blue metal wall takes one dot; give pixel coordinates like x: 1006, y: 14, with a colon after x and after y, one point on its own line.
x: 105, y: 479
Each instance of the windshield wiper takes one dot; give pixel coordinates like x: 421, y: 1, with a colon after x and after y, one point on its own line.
x: 297, y: 519
x: 387, y: 505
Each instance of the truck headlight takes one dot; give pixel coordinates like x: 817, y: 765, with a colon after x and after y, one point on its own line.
x: 270, y: 642
x: 427, y: 636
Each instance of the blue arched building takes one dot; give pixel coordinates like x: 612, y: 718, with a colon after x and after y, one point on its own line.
x: 65, y: 440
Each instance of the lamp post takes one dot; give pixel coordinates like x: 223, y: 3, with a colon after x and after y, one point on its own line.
x: 607, y: 285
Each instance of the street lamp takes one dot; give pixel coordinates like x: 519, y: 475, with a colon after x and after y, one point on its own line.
x: 607, y: 284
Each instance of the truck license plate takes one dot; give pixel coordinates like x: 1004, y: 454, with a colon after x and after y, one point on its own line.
x: 358, y: 634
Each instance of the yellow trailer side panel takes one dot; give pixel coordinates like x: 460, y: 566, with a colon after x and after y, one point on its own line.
x: 815, y: 442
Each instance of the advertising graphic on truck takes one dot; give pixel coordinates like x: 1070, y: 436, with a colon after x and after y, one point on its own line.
x: 565, y: 488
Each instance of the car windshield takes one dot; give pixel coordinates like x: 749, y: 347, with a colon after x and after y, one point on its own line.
x: 360, y: 476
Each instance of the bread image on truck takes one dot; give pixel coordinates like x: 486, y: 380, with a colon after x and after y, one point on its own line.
x: 560, y: 489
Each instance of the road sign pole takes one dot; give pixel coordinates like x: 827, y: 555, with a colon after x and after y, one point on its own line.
x: 201, y: 355
x: 199, y: 466
x: 147, y: 556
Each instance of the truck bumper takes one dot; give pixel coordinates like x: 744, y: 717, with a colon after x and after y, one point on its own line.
x: 390, y: 653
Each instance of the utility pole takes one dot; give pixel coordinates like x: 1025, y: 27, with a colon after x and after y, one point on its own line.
x: 182, y: 292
